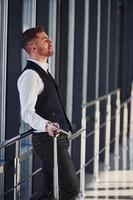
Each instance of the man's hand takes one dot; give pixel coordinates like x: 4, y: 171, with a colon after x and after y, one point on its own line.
x: 53, y: 129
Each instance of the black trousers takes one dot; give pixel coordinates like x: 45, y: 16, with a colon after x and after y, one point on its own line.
x: 68, y: 180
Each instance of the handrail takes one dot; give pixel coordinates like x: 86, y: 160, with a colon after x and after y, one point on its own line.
x: 103, y: 124
x: 100, y: 98
x: 81, y: 132
x: 29, y: 132
x: 75, y: 135
x: 14, y: 139
x: 17, y: 181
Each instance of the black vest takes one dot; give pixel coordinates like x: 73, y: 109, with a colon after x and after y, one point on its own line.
x: 49, y: 104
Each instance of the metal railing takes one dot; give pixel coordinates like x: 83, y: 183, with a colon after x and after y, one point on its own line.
x: 120, y: 110
x: 96, y: 133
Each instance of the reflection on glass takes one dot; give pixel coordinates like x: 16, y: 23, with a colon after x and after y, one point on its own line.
x: 3, y: 60
x: 29, y: 20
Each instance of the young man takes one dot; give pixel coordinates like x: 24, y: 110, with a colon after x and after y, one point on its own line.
x: 42, y: 109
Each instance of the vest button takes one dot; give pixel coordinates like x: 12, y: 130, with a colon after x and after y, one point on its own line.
x: 53, y: 114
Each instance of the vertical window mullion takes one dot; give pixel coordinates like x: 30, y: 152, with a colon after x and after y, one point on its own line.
x: 3, y: 71
x: 29, y: 20
x: 98, y: 48
x: 70, y: 67
x: 108, y: 46
x: 85, y: 53
x: 52, y: 32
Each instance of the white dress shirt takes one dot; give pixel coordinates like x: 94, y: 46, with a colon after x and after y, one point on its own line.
x: 30, y: 85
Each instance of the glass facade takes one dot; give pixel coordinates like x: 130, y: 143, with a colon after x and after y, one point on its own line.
x: 28, y: 21
x: 3, y: 68
x: 85, y: 38
x: 3, y: 59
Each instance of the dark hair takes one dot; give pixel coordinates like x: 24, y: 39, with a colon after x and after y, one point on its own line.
x: 30, y: 34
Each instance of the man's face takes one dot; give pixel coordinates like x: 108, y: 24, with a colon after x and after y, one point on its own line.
x: 43, y: 45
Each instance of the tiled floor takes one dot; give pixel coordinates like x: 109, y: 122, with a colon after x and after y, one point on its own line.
x: 111, y: 185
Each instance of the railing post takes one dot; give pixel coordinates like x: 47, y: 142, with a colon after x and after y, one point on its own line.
x: 124, y: 137
x: 56, y: 184
x: 107, y: 136
x: 131, y: 132
x: 96, y: 141
x: 83, y: 153
x: 17, y: 171
x: 70, y: 146
x: 117, y: 130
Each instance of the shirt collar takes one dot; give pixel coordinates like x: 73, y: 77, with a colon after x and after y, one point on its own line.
x: 44, y: 65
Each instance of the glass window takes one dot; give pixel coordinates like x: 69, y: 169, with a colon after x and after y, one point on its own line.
x: 3, y: 60
x: 28, y: 21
